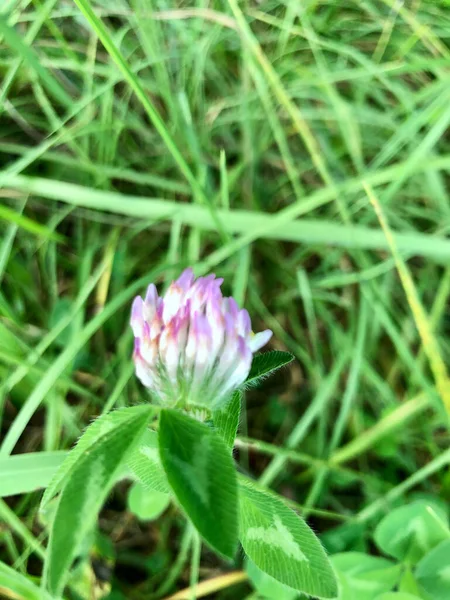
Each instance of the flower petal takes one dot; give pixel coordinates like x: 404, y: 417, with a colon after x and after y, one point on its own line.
x: 259, y: 340
x: 137, y: 317
x: 186, y: 279
x: 193, y: 345
x: 151, y: 302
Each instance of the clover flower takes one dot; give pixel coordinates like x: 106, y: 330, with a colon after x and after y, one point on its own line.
x: 192, y: 346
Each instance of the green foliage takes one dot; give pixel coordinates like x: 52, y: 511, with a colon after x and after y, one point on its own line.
x: 226, y: 419
x: 16, y: 585
x: 24, y: 473
x: 348, y: 535
x: 144, y: 137
x: 265, y: 364
x: 433, y: 572
x: 418, y: 536
x: 409, y: 532
x: 363, y: 577
x: 397, y: 596
x: 61, y: 311
x: 280, y: 543
x: 201, y: 473
x: 85, y: 488
x: 146, y: 504
x: 266, y: 586
x: 145, y: 464
x: 101, y: 426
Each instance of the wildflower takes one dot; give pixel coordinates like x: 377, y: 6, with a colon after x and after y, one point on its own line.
x: 192, y: 346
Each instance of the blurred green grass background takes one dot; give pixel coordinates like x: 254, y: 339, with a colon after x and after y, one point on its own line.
x: 139, y: 137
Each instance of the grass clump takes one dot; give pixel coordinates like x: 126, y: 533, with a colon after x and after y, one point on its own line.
x: 246, y: 138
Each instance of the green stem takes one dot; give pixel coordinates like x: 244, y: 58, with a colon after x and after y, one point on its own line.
x: 155, y: 118
x: 315, y: 464
x: 8, y: 517
x: 301, y: 429
x: 178, y: 564
x: 385, y: 502
x: 390, y: 423
x: 195, y: 564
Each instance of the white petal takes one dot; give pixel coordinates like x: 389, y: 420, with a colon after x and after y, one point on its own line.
x: 149, y: 352
x: 151, y: 302
x: 137, y: 317
x: 259, y: 340
x: 173, y: 300
x: 143, y: 373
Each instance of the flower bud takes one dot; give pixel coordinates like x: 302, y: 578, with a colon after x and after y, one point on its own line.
x: 192, y: 346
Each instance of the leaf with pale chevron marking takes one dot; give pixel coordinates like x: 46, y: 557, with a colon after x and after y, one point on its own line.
x: 226, y: 419
x: 281, y: 544
x: 90, y: 435
x: 201, y: 473
x: 85, y: 490
x: 145, y: 464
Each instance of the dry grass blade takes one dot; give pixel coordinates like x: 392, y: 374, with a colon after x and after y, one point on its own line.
x: 205, y: 588
x: 422, y: 321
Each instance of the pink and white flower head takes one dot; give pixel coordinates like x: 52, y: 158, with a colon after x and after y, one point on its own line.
x: 192, y: 346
